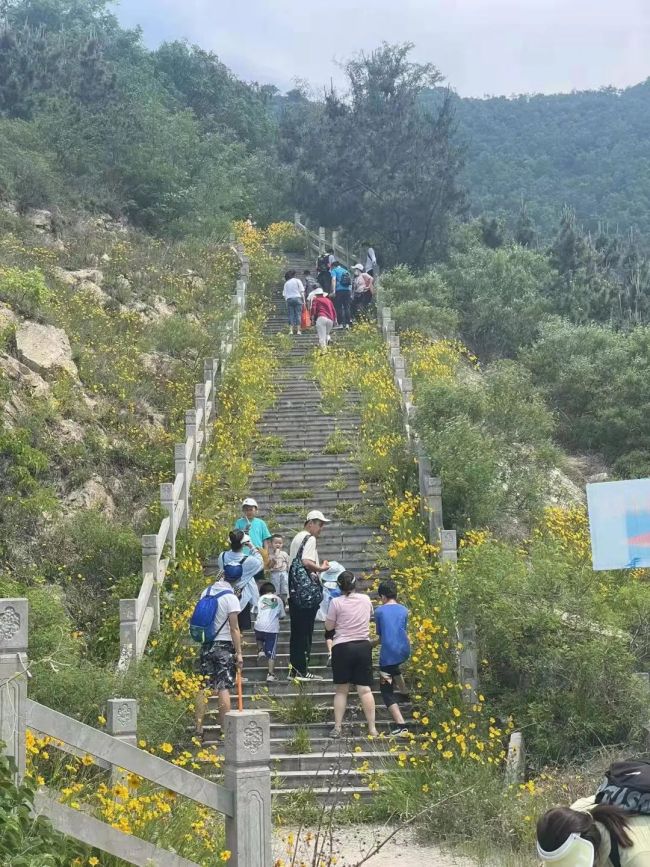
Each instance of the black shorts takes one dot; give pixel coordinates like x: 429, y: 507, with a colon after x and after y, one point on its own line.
x: 352, y: 663
x: 218, y: 664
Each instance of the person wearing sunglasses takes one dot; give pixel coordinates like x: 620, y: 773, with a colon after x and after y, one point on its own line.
x: 593, y: 835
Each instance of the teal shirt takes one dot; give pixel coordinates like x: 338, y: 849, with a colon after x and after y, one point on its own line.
x: 257, y: 530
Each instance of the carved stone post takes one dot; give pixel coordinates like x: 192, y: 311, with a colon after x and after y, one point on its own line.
x: 448, y: 546
x: 433, y: 494
x: 167, y: 505
x: 516, y: 760
x: 150, y: 563
x: 13, y: 680
x: 248, y: 776
x: 190, y: 433
x: 321, y: 240
x: 468, y: 663
x: 180, y: 467
x: 122, y: 723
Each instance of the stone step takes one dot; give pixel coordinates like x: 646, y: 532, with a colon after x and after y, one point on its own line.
x: 324, y: 779
x: 324, y: 759
x: 355, y: 733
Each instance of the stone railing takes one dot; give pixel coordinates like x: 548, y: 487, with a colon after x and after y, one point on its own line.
x: 244, y: 799
x: 141, y: 616
x: 318, y: 241
x: 430, y: 495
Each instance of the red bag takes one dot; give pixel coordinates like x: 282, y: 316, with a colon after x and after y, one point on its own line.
x: 305, y: 318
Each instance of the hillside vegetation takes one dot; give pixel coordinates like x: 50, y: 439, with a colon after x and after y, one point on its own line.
x: 588, y: 150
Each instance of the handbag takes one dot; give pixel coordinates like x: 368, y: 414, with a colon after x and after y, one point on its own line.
x: 305, y: 318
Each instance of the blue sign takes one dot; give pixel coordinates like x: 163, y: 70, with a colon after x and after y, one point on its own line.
x: 619, y: 522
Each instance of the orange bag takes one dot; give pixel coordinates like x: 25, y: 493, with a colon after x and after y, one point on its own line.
x: 305, y: 318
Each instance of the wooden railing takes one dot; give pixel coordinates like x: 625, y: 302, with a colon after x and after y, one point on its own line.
x: 141, y: 616
x: 244, y: 799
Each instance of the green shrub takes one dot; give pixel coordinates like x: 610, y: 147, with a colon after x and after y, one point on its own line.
x: 425, y: 317
x: 178, y: 337
x: 24, y: 840
x: 26, y: 291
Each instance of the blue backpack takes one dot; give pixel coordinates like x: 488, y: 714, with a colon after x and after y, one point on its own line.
x: 202, y: 621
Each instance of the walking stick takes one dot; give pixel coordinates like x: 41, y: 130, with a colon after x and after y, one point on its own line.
x: 240, y: 696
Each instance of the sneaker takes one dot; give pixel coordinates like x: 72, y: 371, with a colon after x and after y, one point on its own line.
x: 271, y: 678
x: 347, y: 328
x: 399, y: 732
x: 261, y: 656
x: 334, y: 735
x: 309, y: 676
x: 298, y: 331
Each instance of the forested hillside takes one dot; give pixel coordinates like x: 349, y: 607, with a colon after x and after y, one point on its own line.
x: 90, y: 118
x: 590, y: 150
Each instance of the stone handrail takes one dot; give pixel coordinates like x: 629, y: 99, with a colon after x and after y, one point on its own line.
x: 244, y: 799
x: 318, y: 241
x: 430, y: 495
x: 141, y: 616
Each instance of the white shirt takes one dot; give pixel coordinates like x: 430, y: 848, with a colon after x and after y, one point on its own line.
x: 226, y: 605
x: 309, y: 552
x: 270, y: 611
x: 293, y: 289
x: 371, y: 259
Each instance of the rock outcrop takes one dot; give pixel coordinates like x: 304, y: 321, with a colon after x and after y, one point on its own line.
x: 92, y: 495
x: 45, y: 349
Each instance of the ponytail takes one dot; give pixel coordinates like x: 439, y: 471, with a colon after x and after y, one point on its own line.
x: 555, y: 826
x: 346, y: 582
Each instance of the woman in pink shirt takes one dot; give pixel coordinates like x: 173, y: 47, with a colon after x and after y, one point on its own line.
x: 349, y: 616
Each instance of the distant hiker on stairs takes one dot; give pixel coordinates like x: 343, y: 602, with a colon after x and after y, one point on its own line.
x: 305, y: 593
x: 294, y: 294
x: 342, y: 289
x: 323, y: 315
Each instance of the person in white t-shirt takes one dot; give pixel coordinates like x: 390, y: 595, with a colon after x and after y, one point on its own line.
x: 270, y: 611
x: 371, y: 260
x: 294, y: 294
x: 302, y: 619
x: 220, y: 658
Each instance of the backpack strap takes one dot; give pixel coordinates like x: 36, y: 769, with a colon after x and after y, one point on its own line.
x: 226, y: 593
x: 615, y: 855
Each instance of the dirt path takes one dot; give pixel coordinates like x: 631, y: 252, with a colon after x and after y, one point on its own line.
x: 352, y: 844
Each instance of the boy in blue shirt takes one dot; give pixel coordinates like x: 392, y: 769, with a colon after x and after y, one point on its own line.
x: 392, y: 619
x: 342, y: 289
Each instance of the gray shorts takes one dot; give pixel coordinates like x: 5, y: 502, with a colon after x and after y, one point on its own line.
x: 218, y: 664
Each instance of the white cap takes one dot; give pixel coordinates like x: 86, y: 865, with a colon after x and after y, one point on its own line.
x: 315, y: 515
x: 249, y: 501
x: 574, y: 852
x: 318, y: 291
x: 357, y: 267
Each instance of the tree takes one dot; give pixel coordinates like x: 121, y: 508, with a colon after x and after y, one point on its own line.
x: 377, y: 161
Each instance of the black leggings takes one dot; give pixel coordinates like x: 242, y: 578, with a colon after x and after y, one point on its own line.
x: 387, y: 684
x: 302, y: 630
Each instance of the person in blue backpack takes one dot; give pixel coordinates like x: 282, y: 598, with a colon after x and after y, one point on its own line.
x: 342, y: 289
x: 215, y: 625
x: 391, y: 620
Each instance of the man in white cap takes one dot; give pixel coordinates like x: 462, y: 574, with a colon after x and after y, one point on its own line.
x: 363, y: 289
x: 302, y: 619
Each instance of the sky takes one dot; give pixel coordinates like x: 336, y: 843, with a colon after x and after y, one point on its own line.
x: 482, y: 47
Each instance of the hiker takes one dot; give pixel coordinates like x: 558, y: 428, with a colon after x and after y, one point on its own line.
x: 252, y: 564
x: 331, y: 590
x: 309, y: 282
x: 323, y: 315
x: 279, y: 566
x: 294, y: 294
x: 270, y: 610
x: 363, y: 289
x: 342, y: 289
x: 587, y: 834
x: 392, y: 619
x: 323, y: 270
x: 371, y: 260
x: 305, y: 593
x: 257, y: 530
x: 349, y: 616
x: 220, y: 655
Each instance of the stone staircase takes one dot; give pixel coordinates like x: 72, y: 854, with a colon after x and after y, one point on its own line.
x: 303, y: 477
